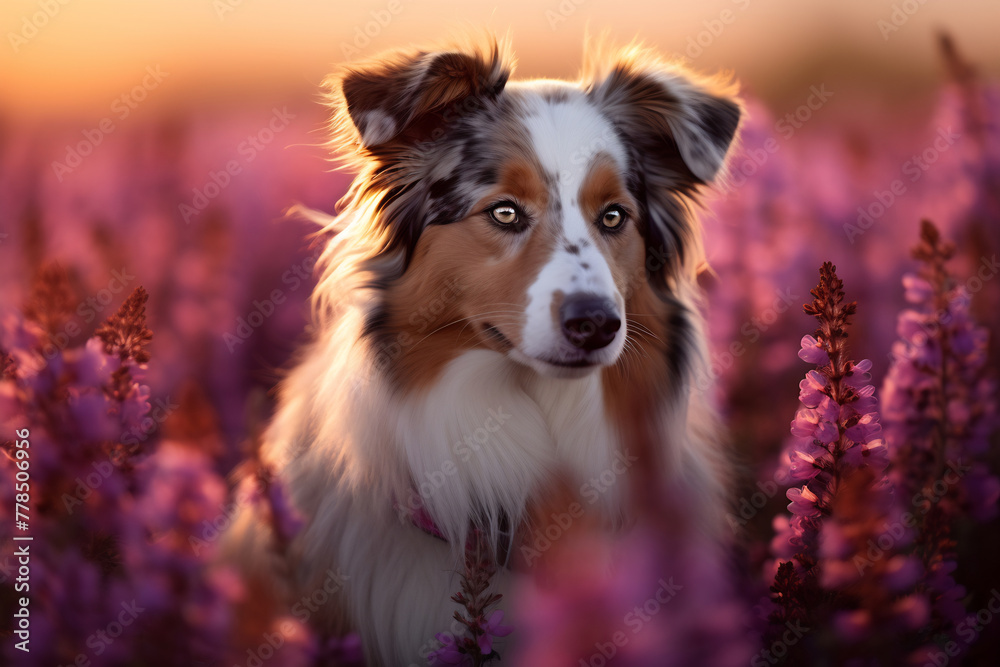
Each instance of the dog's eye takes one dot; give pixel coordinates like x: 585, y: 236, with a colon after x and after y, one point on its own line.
x: 613, y: 217
x: 505, y: 214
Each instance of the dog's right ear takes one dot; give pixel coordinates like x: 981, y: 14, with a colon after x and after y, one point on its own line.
x: 402, y: 97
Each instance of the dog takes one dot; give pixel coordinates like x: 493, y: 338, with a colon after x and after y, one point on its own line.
x: 511, y: 279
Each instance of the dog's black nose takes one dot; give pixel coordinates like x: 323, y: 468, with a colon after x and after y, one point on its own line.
x: 589, y: 322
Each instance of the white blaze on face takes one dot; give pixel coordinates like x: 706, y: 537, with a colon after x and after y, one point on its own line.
x: 566, y: 137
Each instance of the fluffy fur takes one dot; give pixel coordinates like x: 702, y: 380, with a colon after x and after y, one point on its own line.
x: 440, y: 361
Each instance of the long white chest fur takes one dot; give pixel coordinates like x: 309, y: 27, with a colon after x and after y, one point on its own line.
x: 479, y: 444
x: 490, y: 435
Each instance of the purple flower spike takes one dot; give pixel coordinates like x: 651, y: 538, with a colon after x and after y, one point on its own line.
x: 474, y: 647
x: 137, y: 526
x: 939, y: 414
x: 844, y: 503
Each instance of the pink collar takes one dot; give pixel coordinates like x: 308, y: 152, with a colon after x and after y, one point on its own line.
x: 417, y: 513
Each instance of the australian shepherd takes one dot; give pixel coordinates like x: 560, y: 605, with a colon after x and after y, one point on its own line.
x: 510, y: 280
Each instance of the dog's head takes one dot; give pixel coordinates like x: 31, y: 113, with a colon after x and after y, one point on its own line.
x: 530, y: 217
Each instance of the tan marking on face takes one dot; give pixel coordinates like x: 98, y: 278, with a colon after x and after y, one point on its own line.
x: 523, y: 180
x: 478, y: 272
x: 602, y: 185
x: 625, y: 249
x: 636, y: 381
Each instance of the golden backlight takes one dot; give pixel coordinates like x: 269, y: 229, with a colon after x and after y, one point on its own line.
x: 71, y: 57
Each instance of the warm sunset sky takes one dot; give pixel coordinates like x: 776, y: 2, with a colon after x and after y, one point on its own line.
x: 92, y: 51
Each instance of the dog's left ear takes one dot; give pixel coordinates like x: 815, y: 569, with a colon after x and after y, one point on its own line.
x: 400, y: 98
x: 655, y: 104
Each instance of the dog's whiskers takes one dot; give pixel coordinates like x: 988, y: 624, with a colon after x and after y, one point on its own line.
x: 470, y: 318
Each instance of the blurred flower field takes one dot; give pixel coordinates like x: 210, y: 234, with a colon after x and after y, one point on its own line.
x: 151, y: 296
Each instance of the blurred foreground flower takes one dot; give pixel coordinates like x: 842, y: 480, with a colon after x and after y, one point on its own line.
x: 263, y: 632
x: 111, y: 570
x: 660, y: 592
